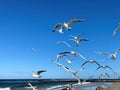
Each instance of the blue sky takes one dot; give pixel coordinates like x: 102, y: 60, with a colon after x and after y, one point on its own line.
x: 27, y: 24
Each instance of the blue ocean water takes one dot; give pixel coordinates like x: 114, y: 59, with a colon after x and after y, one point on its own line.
x: 44, y: 84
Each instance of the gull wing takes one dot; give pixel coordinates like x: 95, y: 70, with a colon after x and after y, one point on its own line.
x: 109, y: 67
x: 83, y: 39
x: 96, y: 63
x: 64, y: 43
x: 38, y: 72
x: 116, y: 29
x: 84, y: 63
x: 118, y: 50
x: 75, y: 20
x: 58, y: 25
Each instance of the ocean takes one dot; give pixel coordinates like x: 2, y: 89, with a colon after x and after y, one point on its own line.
x: 47, y: 84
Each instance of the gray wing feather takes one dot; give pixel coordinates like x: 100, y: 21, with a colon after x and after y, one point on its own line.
x: 74, y: 20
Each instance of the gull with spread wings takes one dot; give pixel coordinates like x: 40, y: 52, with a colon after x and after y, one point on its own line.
x: 73, y: 53
x: 37, y: 74
x: 111, y: 56
x: 104, y: 67
x: 65, y: 43
x: 74, y: 73
x: 67, y: 25
x: 104, y: 74
x: 76, y: 37
x: 90, y: 61
x: 79, y: 41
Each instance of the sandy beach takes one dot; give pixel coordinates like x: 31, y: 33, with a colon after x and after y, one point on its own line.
x: 113, y: 86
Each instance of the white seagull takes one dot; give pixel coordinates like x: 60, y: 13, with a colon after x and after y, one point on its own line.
x: 65, y: 43
x: 68, y: 70
x: 116, y: 29
x: 104, y: 67
x: 90, y: 61
x: 104, y: 74
x: 76, y: 37
x: 67, y: 25
x: 111, y: 56
x: 78, y: 41
x: 37, y: 74
x: 74, y: 54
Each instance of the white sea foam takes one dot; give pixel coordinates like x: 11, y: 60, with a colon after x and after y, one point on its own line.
x: 7, y: 88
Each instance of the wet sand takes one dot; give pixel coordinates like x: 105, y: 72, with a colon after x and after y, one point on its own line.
x: 113, y: 86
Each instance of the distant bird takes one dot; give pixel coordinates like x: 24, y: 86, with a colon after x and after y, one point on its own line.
x: 90, y: 61
x: 67, y: 25
x: 33, y: 87
x: 76, y: 37
x: 65, y: 43
x: 104, y: 67
x: 74, y: 54
x: 79, y: 41
x: 116, y: 29
x: 36, y: 74
x: 104, y: 74
x: 34, y: 49
x: 111, y: 56
x: 60, y: 31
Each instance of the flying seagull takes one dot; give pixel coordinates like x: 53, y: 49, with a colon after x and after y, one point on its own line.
x: 67, y: 25
x: 116, y: 29
x: 36, y: 74
x: 74, y: 54
x: 104, y: 74
x: 76, y: 37
x: 104, y: 67
x: 79, y: 41
x: 90, y: 61
x: 65, y: 43
x: 74, y: 73
x: 111, y: 56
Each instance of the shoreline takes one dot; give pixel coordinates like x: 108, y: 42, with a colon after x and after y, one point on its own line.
x: 113, y: 86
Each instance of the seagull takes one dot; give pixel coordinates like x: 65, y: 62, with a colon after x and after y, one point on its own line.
x: 34, y: 49
x: 104, y: 74
x: 111, y: 56
x: 60, y: 31
x: 76, y: 37
x: 36, y: 74
x: 33, y: 87
x: 104, y: 66
x: 74, y: 54
x: 67, y: 25
x: 116, y: 29
x: 65, y: 43
x: 90, y: 61
x: 79, y: 41
x: 68, y: 70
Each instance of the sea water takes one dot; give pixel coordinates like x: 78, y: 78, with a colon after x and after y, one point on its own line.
x: 46, y: 84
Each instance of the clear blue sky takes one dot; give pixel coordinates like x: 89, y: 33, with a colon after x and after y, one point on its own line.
x: 26, y: 24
